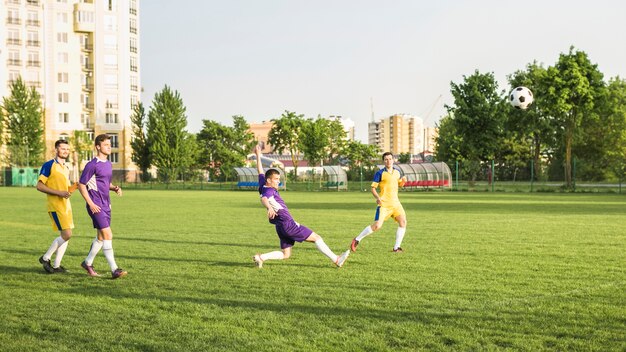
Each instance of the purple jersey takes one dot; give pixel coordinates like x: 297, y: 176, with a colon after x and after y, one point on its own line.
x: 276, y: 202
x: 97, y: 177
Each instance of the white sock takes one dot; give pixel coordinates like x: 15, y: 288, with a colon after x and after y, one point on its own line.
x: 107, y: 249
x: 60, y: 253
x: 276, y: 255
x: 53, y: 247
x: 366, y: 231
x: 399, y: 236
x: 322, y: 247
x: 96, y: 245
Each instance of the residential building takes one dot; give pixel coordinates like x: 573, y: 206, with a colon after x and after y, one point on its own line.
x: 399, y: 133
x: 82, y: 56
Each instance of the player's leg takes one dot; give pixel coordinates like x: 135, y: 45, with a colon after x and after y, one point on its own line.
x: 379, y: 218
x: 66, y: 234
x: 107, y: 250
x: 45, y: 259
x: 400, y: 217
x: 323, y: 247
x: 284, y: 253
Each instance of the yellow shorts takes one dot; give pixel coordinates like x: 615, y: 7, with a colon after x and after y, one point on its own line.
x: 61, y: 221
x: 385, y: 212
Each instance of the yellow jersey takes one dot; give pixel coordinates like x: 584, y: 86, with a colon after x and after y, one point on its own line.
x: 56, y: 176
x: 388, y: 182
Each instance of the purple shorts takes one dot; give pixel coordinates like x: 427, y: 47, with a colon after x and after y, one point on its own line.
x: 290, y: 232
x: 100, y: 220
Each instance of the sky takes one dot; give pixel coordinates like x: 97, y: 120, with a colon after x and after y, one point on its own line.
x: 358, y: 58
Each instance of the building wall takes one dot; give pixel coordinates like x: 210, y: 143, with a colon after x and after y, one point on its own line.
x: 399, y: 133
x: 88, y: 73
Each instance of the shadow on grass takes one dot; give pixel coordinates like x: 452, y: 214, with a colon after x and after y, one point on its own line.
x: 200, y: 243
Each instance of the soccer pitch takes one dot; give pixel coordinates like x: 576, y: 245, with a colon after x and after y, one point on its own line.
x: 480, y: 271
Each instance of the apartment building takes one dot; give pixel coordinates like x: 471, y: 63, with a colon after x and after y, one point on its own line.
x: 399, y: 133
x: 82, y: 56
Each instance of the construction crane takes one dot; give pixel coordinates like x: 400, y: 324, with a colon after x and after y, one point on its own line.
x: 430, y: 111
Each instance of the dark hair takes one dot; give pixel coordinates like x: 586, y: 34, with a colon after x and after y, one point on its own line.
x: 387, y: 153
x: 271, y: 172
x: 101, y: 138
x: 59, y: 142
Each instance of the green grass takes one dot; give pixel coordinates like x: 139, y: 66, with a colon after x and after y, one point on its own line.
x: 480, y: 272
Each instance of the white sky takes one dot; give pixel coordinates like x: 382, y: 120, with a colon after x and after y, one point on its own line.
x: 330, y: 57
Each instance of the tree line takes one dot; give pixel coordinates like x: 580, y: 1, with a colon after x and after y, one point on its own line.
x: 577, y: 116
x: 161, y: 140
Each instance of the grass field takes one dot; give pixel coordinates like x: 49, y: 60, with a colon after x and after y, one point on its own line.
x: 479, y: 272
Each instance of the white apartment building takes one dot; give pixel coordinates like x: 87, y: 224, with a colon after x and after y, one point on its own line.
x: 82, y: 56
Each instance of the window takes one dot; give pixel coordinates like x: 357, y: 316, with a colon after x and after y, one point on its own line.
x: 133, y: 45
x: 133, y: 26
x: 62, y: 17
x: 110, y: 23
x: 133, y: 64
x: 114, y: 140
x: 110, y: 42
x: 64, y: 137
x: 133, y: 84
x: 14, y: 58
x: 133, y: 7
x: 62, y: 77
x: 13, y: 37
x: 13, y: 16
x: 110, y: 60
x: 62, y: 37
x: 114, y: 157
x: 33, y: 59
x: 110, y: 81
x: 64, y: 117
x: 63, y: 97
x: 62, y: 57
x: 33, y: 38
x: 111, y: 101
x: 13, y: 76
x: 133, y: 101
x: 32, y: 19
x: 111, y: 118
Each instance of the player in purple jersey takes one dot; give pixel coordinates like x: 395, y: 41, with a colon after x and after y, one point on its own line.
x: 94, y: 186
x: 288, y: 230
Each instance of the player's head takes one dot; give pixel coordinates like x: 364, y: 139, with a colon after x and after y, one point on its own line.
x: 103, y: 143
x: 272, y: 178
x: 62, y: 148
x: 388, y: 159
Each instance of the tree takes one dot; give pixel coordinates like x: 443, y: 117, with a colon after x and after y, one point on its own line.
x: 478, y: 116
x: 285, y: 136
x: 360, y: 155
x: 171, y: 146
x: 315, y: 140
x: 533, y: 126
x: 140, y: 143
x: 223, y: 148
x: 23, y: 122
x: 404, y: 158
x: 81, y: 145
x: 574, y: 84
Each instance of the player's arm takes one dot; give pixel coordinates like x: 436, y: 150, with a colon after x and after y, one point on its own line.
x: 116, y: 189
x: 270, y: 211
x: 259, y: 154
x: 83, y: 192
x: 402, y: 181
x: 376, y: 196
x: 41, y: 187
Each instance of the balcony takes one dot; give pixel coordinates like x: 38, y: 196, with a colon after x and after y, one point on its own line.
x: 133, y: 49
x: 88, y: 87
x: 34, y: 84
x: 32, y: 2
x: 111, y: 105
x: 33, y: 63
x: 32, y: 23
x: 133, y: 68
x: 13, y: 20
x: 13, y: 41
x: 88, y: 106
x: 133, y: 11
x: 33, y: 43
x: 84, y: 17
x: 14, y: 62
x: 134, y: 87
x: 87, y: 47
x: 133, y: 30
x: 88, y: 67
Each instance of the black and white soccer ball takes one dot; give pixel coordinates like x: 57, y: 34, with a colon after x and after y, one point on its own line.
x: 521, y: 98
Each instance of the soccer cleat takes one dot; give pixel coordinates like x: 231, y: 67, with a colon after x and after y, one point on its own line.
x: 398, y: 250
x: 119, y: 272
x: 258, y: 261
x: 46, y: 265
x: 90, y: 270
x: 354, y: 244
x: 60, y: 269
x: 342, y: 259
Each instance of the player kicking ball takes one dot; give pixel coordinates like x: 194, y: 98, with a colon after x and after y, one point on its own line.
x: 287, y: 229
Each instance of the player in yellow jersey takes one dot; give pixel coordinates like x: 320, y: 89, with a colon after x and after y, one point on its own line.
x: 54, y: 182
x: 387, y: 180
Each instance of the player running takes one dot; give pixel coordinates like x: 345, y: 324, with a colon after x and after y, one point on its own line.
x: 54, y: 182
x: 388, y: 180
x: 94, y: 186
x: 287, y: 229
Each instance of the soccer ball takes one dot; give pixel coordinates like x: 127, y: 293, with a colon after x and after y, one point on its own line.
x: 521, y: 97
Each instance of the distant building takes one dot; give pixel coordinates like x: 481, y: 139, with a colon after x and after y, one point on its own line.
x: 82, y: 56
x: 399, y: 133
